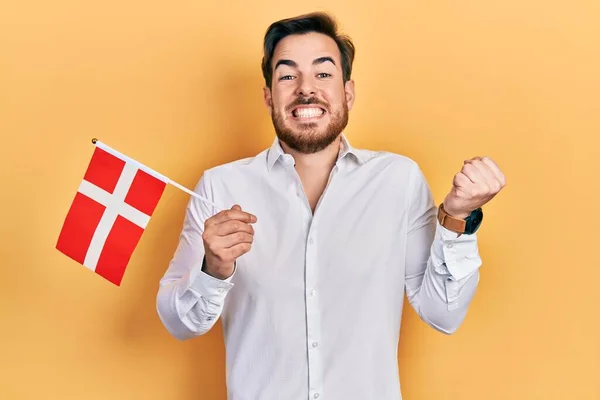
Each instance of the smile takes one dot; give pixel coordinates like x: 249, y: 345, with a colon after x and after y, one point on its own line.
x: 307, y: 112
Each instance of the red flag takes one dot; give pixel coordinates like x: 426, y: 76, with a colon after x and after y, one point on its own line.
x: 111, y: 209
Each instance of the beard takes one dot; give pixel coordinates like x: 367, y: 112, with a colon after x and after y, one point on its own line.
x: 307, y: 139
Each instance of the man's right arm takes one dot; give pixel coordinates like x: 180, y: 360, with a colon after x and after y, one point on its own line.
x: 190, y: 297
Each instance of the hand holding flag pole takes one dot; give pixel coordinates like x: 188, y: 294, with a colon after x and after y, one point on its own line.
x: 111, y: 210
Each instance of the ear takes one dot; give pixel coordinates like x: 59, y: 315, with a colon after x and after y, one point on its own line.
x: 349, y: 90
x: 268, y: 98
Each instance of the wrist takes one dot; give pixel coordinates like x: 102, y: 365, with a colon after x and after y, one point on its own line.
x: 460, y: 222
x: 459, y: 214
x: 219, y: 272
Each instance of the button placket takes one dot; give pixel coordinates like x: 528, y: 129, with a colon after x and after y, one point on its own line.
x: 315, y: 375
x: 313, y: 315
x: 315, y: 367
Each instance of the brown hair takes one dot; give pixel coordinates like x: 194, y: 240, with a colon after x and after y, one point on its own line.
x: 314, y: 22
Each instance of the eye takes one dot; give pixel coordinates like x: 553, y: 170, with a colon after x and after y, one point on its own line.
x: 323, y: 75
x: 286, y: 77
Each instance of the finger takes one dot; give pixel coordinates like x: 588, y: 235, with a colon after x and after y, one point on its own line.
x: 233, y: 226
x: 226, y: 242
x: 234, y: 213
x: 473, y: 159
x: 238, y: 250
x: 462, y: 182
x: 484, y: 170
x: 495, y: 170
x: 498, y: 175
x: 471, y: 172
x: 491, y: 182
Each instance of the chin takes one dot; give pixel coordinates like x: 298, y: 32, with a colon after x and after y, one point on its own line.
x: 310, y: 129
x: 321, y: 122
x: 308, y: 133
x: 307, y: 130
x: 307, y: 141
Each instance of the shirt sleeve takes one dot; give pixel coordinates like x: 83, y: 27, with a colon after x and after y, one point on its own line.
x: 189, y: 301
x: 442, y: 268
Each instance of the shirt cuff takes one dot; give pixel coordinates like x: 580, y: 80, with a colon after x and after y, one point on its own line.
x: 209, y: 287
x: 455, y: 255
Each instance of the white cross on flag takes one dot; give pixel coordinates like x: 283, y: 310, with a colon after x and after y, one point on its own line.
x: 109, y: 214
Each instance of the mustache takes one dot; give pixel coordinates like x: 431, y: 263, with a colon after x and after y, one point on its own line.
x: 301, y: 101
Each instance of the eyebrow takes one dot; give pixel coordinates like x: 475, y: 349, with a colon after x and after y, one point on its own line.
x: 293, y: 64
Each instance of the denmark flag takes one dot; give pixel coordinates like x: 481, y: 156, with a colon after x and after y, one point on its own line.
x: 109, y: 213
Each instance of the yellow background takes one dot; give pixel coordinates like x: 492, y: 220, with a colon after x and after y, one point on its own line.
x: 177, y: 86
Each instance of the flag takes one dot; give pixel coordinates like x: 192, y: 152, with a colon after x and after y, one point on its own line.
x: 110, y: 212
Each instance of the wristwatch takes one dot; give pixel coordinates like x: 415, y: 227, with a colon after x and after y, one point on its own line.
x: 467, y: 226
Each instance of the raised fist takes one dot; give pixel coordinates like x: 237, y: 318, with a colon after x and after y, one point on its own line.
x: 477, y: 183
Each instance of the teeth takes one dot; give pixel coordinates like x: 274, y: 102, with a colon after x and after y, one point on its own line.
x: 308, y: 112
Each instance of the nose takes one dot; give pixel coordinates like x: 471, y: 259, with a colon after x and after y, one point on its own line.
x: 306, y: 86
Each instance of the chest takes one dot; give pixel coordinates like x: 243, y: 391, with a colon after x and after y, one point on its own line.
x: 354, y: 239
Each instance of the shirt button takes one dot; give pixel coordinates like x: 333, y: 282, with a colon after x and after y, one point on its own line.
x: 449, y: 245
x: 310, y: 241
x: 220, y: 290
x: 313, y: 292
x: 315, y: 344
x: 316, y: 396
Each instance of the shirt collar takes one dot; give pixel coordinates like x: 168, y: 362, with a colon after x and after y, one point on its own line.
x: 346, y: 150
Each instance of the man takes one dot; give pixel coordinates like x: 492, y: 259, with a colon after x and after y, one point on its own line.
x: 308, y: 269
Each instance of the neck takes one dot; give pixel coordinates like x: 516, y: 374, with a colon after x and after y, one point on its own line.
x: 314, y: 169
x: 322, y: 161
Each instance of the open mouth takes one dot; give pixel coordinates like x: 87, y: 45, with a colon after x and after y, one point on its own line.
x: 305, y: 113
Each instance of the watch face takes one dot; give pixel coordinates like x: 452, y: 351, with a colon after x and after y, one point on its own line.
x: 474, y: 221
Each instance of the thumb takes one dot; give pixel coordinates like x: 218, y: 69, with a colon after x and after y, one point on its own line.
x: 236, y: 207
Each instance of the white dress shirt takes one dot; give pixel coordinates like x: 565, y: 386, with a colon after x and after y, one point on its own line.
x: 313, y: 310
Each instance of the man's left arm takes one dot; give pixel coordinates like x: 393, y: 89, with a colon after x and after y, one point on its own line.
x: 442, y: 266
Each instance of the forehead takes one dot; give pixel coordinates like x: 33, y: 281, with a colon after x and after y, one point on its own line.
x: 305, y: 48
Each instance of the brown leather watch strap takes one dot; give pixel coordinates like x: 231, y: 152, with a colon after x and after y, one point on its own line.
x: 449, y: 222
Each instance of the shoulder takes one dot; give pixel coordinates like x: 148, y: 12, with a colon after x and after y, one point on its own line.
x: 217, y: 183
x: 236, y: 168
x: 388, y: 160
x: 393, y: 167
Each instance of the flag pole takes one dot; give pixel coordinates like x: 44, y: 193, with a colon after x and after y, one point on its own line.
x: 103, y: 146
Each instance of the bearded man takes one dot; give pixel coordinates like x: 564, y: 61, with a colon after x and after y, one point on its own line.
x: 308, y: 265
